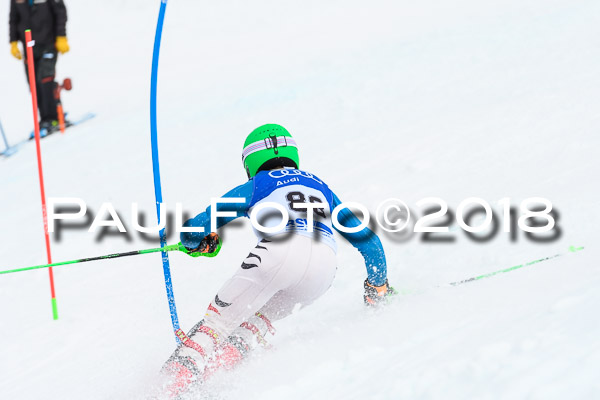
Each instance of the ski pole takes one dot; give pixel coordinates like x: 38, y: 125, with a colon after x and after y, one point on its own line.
x: 116, y: 255
x: 572, y: 249
x: 4, y: 136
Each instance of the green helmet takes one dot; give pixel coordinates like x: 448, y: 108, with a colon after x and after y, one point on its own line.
x: 267, y: 147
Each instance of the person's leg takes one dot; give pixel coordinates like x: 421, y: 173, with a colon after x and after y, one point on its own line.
x: 274, y: 279
x: 318, y: 276
x: 45, y: 73
x: 316, y: 279
x: 271, y: 266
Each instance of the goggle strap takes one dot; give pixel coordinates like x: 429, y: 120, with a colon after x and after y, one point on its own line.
x: 268, y: 143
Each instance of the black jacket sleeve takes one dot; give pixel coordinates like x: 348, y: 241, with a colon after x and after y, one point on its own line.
x: 13, y: 23
x: 60, y: 17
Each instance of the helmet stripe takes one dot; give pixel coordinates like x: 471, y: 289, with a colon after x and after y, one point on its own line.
x: 282, y: 141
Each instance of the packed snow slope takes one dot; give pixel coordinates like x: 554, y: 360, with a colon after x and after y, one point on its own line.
x: 491, y: 99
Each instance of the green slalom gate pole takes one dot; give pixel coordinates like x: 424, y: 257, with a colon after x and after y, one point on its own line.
x: 172, y: 247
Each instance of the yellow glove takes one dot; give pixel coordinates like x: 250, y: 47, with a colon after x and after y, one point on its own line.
x: 14, y: 49
x: 62, y: 45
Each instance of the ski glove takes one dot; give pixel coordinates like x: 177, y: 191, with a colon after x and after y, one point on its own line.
x: 62, y: 45
x: 14, y: 50
x: 377, y: 295
x: 208, y: 247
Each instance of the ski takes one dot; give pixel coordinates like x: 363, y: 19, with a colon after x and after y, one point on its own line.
x: 43, y: 134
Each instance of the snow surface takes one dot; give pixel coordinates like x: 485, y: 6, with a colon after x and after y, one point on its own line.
x: 388, y: 99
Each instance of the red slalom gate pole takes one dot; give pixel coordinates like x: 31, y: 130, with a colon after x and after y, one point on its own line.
x: 30, y: 68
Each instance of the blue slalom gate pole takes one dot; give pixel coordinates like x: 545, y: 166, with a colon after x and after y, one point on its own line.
x: 156, y: 165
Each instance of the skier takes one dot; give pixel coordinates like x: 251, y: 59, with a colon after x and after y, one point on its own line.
x: 289, y: 266
x: 47, y: 20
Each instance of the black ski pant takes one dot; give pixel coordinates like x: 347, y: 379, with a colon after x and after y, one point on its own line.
x: 44, y: 61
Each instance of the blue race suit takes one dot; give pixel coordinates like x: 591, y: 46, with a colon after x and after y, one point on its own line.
x: 288, y: 187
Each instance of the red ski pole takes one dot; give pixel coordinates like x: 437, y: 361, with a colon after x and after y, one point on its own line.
x: 30, y: 68
x: 61, y: 115
x: 59, y: 108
